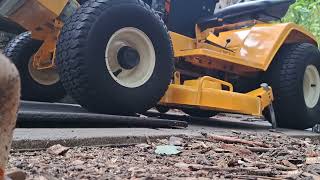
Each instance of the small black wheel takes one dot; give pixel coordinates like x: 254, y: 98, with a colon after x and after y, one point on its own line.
x: 162, y: 109
x: 36, y: 85
x: 294, y: 77
x: 199, y: 112
x: 115, y: 56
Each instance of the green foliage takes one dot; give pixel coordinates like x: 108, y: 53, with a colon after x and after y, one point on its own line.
x: 307, y: 14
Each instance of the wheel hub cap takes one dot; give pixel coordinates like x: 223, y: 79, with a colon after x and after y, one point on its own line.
x: 130, y: 57
x: 311, y: 86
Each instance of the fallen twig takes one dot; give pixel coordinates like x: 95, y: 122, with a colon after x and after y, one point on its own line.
x: 261, y: 149
x: 236, y: 149
x: 284, y: 168
x: 248, y: 170
x: 252, y: 177
x: 227, y: 139
x: 290, y: 174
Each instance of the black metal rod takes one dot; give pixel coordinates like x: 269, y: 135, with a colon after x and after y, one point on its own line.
x: 32, y: 119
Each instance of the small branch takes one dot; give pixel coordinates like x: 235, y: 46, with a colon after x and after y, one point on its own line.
x: 261, y: 149
x: 249, y: 171
x: 226, y: 139
x: 252, y: 177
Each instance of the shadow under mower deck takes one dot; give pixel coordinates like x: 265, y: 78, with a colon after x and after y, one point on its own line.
x: 119, y: 57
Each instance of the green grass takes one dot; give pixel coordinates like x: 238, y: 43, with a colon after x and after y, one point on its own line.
x: 307, y: 14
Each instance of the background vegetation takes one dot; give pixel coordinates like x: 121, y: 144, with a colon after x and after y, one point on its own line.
x: 307, y: 14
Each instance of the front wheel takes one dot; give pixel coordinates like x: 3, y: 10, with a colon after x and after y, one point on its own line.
x: 294, y: 77
x: 119, y: 59
x: 37, y: 85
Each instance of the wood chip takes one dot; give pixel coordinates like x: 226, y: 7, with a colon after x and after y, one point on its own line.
x: 288, y: 164
x: 260, y: 165
x: 312, y: 160
x: 148, y: 140
x: 17, y: 175
x: 78, y: 162
x: 58, y: 149
x: 185, y: 166
x: 176, y: 141
x: 220, y: 150
x: 313, y: 176
x: 297, y: 161
x: 143, y: 146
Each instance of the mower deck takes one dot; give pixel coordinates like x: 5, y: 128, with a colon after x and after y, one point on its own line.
x: 208, y: 93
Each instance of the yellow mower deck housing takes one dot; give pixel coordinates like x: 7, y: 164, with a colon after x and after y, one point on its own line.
x: 241, y: 51
x: 207, y: 93
x: 249, y: 49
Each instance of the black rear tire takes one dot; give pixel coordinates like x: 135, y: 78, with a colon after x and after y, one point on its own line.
x: 286, y: 77
x: 82, y: 63
x: 20, y: 50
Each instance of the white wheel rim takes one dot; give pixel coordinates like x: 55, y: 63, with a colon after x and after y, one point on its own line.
x: 138, y: 40
x: 46, y: 77
x: 311, y: 86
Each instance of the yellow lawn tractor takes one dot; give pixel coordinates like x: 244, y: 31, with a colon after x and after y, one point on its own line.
x: 127, y: 56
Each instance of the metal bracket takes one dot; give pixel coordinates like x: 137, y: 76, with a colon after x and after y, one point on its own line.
x: 265, y: 86
x: 270, y: 108
x: 272, y: 116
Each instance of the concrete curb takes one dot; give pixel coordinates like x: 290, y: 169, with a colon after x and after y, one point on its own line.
x: 103, y: 138
x: 98, y: 141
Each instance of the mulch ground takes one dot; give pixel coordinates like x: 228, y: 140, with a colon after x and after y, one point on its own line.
x: 239, y: 156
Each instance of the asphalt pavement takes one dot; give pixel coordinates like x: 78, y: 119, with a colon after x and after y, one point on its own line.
x: 41, y: 125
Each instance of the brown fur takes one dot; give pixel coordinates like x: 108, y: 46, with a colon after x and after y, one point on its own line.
x: 9, y: 102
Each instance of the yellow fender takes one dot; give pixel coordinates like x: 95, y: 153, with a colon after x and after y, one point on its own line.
x: 251, y: 49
